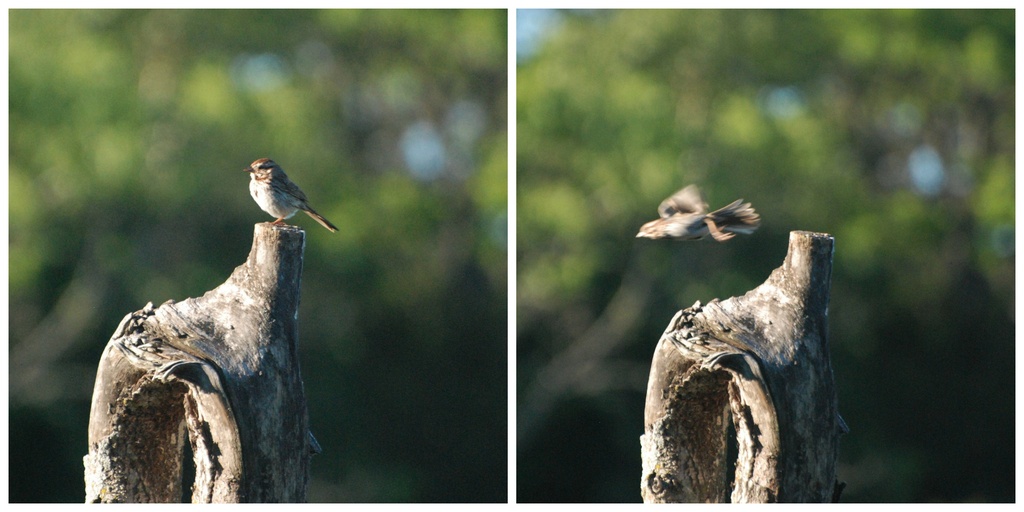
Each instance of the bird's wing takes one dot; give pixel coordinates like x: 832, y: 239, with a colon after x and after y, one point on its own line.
x: 292, y: 189
x: 687, y: 200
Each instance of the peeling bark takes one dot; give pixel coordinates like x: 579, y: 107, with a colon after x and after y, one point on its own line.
x: 221, y: 372
x: 760, y: 361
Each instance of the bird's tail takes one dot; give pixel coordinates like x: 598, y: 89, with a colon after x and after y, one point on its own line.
x: 320, y: 218
x: 738, y: 217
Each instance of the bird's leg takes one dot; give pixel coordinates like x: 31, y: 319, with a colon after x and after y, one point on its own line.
x: 718, y: 234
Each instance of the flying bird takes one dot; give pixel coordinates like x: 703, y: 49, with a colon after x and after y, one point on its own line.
x: 684, y: 216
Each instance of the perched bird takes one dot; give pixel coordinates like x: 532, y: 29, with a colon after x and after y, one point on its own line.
x: 684, y: 216
x: 277, y: 195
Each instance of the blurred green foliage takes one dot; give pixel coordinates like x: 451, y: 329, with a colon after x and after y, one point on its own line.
x: 891, y: 130
x: 129, y: 131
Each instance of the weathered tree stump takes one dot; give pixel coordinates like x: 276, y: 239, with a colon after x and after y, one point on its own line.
x: 761, y: 362
x: 223, y: 369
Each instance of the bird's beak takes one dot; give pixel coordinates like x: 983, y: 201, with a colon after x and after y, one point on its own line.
x: 248, y: 169
x: 645, y: 230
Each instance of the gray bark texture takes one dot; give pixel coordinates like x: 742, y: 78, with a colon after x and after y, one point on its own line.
x: 220, y: 372
x: 760, y: 364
